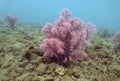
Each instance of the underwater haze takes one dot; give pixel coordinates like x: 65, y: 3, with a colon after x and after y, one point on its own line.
x: 103, y: 13
x: 59, y: 40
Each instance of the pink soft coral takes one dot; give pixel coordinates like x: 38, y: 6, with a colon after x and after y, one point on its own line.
x: 116, y: 40
x: 65, y: 39
x: 90, y: 29
x: 11, y: 20
x: 52, y: 47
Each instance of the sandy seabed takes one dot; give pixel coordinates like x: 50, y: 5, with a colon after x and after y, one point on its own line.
x: 22, y: 60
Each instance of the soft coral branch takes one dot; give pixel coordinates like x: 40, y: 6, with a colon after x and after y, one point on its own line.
x: 65, y: 38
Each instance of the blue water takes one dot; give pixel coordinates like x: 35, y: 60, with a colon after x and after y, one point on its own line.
x: 103, y: 13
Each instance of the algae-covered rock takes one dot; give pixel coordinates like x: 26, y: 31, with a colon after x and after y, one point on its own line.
x: 7, y: 61
x: 3, y: 76
x: 49, y: 79
x: 99, y: 67
x: 82, y: 79
x: 18, y: 45
x: 37, y: 78
x: 22, y: 60
x: 22, y: 77
x: 75, y: 72
x: 60, y: 70
x: 67, y: 78
x: 51, y: 69
x: 41, y: 69
x: 43, y: 78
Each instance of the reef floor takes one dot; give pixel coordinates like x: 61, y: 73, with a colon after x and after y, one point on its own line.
x: 22, y: 60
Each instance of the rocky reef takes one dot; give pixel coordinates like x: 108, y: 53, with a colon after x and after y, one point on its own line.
x: 21, y: 59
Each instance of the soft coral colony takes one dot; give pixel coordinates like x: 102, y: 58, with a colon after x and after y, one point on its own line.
x: 66, y: 38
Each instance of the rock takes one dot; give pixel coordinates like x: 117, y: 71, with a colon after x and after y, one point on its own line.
x: 47, y: 78
x: 41, y: 69
x: 7, y: 61
x: 60, y: 70
x: 51, y: 69
x: 18, y: 45
x: 22, y: 77
x: 2, y: 49
x: 46, y: 60
x: 50, y: 79
x: 67, y: 78
x: 37, y: 78
x: 75, y: 72
x: 23, y: 63
x: 82, y: 79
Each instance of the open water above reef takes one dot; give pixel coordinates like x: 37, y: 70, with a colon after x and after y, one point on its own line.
x: 103, y: 13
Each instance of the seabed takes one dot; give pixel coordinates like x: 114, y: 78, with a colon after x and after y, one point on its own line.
x: 22, y: 60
